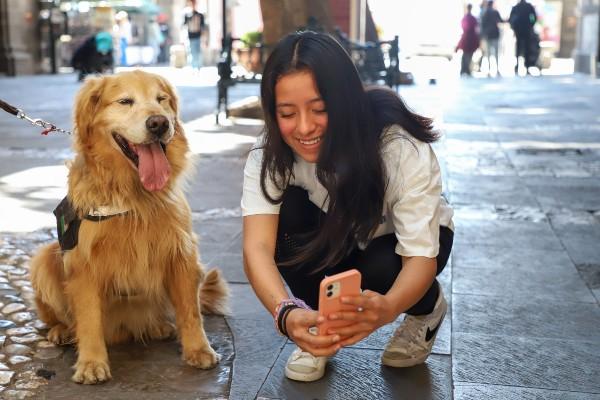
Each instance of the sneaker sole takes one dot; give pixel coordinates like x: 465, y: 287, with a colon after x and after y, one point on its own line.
x: 411, y: 362
x: 304, y: 377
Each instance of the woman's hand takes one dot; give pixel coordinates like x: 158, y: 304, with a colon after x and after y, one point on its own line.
x: 373, y: 311
x: 298, y: 323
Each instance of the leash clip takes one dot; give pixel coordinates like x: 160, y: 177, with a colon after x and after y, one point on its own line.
x: 47, y: 126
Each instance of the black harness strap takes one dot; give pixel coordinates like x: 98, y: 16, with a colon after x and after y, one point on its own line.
x: 68, y: 222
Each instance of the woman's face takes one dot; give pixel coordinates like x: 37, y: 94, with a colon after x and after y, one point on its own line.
x: 301, y: 114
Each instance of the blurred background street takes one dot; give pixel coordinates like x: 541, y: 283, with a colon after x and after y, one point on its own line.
x: 520, y: 155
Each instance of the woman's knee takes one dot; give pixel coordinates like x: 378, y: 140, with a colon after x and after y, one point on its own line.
x: 379, y: 264
x: 446, y: 241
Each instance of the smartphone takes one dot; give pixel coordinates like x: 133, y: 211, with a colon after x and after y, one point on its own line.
x: 331, y: 290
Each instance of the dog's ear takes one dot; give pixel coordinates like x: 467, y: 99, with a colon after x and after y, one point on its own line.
x: 86, y: 103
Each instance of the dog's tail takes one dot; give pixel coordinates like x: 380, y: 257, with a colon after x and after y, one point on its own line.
x: 214, y: 294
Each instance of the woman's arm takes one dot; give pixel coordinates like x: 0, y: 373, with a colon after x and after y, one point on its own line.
x: 412, y: 283
x: 260, y: 235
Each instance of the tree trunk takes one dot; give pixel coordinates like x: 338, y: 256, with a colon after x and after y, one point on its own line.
x: 281, y: 17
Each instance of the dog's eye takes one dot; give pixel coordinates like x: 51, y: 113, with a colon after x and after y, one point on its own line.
x: 126, y: 101
x: 161, y: 98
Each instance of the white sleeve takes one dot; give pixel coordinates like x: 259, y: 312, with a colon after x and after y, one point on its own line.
x: 414, y: 200
x: 253, y: 200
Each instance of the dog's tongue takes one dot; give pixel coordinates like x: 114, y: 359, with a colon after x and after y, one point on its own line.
x: 153, y: 166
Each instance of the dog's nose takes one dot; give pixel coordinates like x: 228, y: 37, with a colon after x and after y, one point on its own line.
x: 157, y: 125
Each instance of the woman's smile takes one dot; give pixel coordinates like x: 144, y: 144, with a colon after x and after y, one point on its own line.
x: 301, y: 114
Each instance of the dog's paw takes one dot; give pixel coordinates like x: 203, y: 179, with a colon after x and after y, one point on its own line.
x: 204, y: 358
x: 164, y: 331
x: 91, y: 372
x: 60, y: 334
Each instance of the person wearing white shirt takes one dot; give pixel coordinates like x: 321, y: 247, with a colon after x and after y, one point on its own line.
x: 343, y: 177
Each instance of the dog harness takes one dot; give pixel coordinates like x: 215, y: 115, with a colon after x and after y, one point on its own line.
x: 68, y: 222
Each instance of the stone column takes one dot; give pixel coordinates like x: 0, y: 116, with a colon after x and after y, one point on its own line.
x: 588, y: 38
x: 568, y: 28
x: 18, y: 43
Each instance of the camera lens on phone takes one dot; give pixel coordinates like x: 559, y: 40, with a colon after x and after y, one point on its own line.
x: 329, y: 294
x: 330, y: 287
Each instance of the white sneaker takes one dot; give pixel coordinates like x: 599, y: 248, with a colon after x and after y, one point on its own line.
x: 304, y: 367
x: 412, y: 342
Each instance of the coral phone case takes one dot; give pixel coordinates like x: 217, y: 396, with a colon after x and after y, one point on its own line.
x: 331, y: 290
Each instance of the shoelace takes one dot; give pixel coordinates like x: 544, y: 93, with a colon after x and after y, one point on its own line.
x: 305, y: 356
x: 408, y: 335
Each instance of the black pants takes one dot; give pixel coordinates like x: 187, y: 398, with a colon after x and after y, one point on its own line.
x: 378, y: 263
x: 523, y: 48
x: 465, y: 62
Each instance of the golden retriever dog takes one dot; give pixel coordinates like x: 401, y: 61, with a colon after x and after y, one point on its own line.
x: 133, y: 268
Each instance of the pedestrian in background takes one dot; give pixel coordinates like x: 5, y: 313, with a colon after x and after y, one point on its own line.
x: 469, y: 41
x: 522, y: 19
x: 490, y: 35
x: 194, y: 22
x: 124, y: 35
x: 482, y: 8
x: 343, y: 177
x: 155, y: 38
x: 163, y: 24
x: 94, y: 55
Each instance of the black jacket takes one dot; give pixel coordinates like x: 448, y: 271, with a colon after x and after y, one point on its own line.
x: 522, y: 17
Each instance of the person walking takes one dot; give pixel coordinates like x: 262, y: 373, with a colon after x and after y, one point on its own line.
x: 155, y: 39
x: 124, y: 36
x: 194, y: 22
x: 343, y: 177
x: 469, y: 41
x: 522, y: 19
x: 490, y: 35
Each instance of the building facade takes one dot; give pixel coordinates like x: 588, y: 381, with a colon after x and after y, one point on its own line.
x: 38, y: 36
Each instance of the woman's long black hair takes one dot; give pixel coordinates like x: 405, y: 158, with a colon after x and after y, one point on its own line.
x: 349, y: 165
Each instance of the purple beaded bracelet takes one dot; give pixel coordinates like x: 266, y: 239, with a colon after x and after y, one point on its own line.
x: 282, y: 310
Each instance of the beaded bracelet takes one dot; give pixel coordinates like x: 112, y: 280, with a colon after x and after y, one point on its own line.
x: 282, y: 310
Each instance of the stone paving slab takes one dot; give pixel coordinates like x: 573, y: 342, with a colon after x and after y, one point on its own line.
x: 488, y: 256
x: 492, y: 392
x: 245, y: 305
x: 557, y: 284
x: 469, y: 189
x: 215, y: 236
x: 526, y: 361
x: 497, y: 271
x: 358, y: 374
x: 257, y: 348
x: 526, y: 315
x: 230, y: 261
x: 576, y: 193
x: 150, y: 371
x: 215, y: 186
x: 517, y: 235
x: 581, y: 242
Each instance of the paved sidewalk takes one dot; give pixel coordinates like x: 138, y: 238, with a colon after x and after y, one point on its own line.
x: 521, y: 163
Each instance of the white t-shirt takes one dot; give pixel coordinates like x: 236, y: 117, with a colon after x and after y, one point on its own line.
x: 413, y: 207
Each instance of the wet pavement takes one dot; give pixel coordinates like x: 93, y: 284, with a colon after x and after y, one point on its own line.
x: 521, y: 165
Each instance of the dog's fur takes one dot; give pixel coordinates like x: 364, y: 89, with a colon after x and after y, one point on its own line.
x: 130, y: 272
